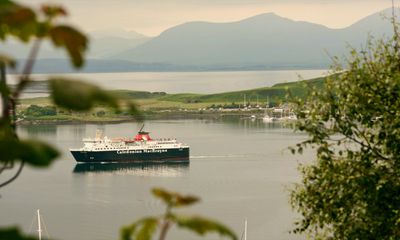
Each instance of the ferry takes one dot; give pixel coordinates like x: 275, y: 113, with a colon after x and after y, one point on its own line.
x: 141, y: 148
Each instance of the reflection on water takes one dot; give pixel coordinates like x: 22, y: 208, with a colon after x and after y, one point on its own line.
x: 137, y: 169
x: 39, y: 129
x: 246, y: 122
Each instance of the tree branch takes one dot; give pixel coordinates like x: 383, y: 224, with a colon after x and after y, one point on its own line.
x: 15, y: 176
x: 24, y: 79
x: 4, y: 95
x: 7, y: 165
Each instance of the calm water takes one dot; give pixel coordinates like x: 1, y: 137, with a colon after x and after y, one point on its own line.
x: 192, y: 82
x: 240, y: 168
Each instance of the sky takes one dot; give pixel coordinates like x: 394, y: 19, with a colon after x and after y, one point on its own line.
x: 151, y: 17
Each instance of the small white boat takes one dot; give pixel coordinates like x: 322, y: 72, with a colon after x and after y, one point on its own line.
x: 268, y: 119
x: 292, y: 116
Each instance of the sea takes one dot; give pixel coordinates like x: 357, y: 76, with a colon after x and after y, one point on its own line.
x: 241, y: 169
x: 182, y: 82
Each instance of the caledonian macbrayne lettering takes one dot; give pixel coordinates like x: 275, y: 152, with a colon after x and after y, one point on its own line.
x: 142, y: 151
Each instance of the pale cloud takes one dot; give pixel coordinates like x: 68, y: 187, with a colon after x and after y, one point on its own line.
x: 151, y: 17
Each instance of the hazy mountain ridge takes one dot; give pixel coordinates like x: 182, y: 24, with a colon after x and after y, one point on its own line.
x: 266, y: 40
x: 262, y: 42
x: 102, y: 44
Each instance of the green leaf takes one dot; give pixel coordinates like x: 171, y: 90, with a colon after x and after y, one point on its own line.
x: 163, y: 195
x: 52, y: 11
x: 174, y: 199
x: 17, y: 21
x: 80, y: 96
x: 13, y: 233
x: 186, y: 200
x: 127, y: 232
x: 202, y: 225
x: 134, y: 111
x: 37, y: 153
x: 8, y: 61
x: 147, y: 228
x: 9, y: 147
x: 33, y: 152
x: 74, y: 42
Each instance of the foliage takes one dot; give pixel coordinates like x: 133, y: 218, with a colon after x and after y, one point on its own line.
x: 13, y: 234
x: 145, y: 228
x: 35, y: 110
x: 78, y: 95
x: 26, y: 24
x: 352, y: 190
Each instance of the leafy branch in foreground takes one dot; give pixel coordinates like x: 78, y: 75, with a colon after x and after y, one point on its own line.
x: 352, y: 190
x: 145, y: 228
x: 25, y: 24
x: 14, y: 234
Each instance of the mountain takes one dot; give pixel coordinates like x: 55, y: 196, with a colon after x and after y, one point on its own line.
x: 103, y: 43
x: 266, y: 40
x: 117, y: 32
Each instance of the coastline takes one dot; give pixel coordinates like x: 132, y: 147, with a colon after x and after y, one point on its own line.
x: 154, y: 116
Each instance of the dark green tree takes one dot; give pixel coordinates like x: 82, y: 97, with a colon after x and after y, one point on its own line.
x: 352, y: 189
x: 36, y: 111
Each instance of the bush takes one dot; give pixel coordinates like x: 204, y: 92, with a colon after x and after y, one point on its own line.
x: 100, y: 113
x: 37, y: 111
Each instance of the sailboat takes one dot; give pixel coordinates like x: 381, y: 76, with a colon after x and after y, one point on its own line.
x: 40, y: 224
x: 244, y: 235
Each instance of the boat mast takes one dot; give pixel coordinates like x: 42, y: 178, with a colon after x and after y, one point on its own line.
x: 39, y: 225
x: 141, y: 129
x: 245, y: 229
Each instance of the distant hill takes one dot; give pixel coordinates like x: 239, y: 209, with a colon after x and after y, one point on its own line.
x: 103, y: 44
x: 266, y: 41
x: 275, y: 94
x: 262, y: 42
x: 106, y: 43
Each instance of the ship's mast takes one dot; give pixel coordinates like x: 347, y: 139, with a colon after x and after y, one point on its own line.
x: 141, y: 129
x: 245, y: 229
x: 39, y: 225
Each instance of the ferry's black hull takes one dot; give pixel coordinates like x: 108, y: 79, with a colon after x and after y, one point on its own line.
x: 167, y: 155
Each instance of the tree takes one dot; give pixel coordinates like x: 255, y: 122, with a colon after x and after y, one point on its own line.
x: 352, y: 190
x: 37, y: 111
x: 26, y: 24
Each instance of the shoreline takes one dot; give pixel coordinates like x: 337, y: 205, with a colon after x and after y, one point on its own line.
x: 157, y: 116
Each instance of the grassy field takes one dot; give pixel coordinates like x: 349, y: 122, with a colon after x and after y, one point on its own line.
x: 275, y: 94
x: 152, y: 103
